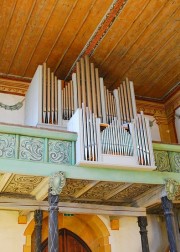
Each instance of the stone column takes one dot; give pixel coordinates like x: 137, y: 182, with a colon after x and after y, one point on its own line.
x: 38, y: 216
x: 170, y: 223
x: 142, y: 223
x: 57, y: 182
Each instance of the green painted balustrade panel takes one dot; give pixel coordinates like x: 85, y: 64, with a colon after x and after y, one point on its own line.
x: 167, y: 157
x: 37, y: 145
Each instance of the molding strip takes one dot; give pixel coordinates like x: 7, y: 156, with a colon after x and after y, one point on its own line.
x: 101, y: 31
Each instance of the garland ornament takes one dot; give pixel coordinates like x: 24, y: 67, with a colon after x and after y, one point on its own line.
x: 16, y: 106
x: 57, y: 182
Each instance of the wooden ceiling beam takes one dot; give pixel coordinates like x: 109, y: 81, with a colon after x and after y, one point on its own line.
x: 41, y: 191
x: 4, y: 180
x: 73, y: 208
x: 149, y: 198
x: 85, y: 189
x: 117, y: 190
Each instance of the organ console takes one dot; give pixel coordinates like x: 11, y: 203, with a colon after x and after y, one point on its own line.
x: 83, y: 105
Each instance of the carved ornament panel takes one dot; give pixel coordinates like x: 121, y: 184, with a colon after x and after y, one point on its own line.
x: 100, y: 190
x: 31, y: 148
x: 73, y: 186
x: 60, y: 152
x: 132, y: 191
x: 23, y: 184
x: 162, y: 161
x: 174, y: 158
x: 7, y: 146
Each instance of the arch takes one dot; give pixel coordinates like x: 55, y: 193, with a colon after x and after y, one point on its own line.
x: 90, y: 228
x: 66, y: 235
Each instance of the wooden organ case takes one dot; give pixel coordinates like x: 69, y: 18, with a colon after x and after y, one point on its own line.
x: 110, y: 132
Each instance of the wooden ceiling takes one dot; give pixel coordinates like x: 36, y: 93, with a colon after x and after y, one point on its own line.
x: 137, y: 39
x: 31, y: 192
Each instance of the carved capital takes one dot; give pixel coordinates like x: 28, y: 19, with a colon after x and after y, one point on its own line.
x: 167, y: 205
x: 142, y: 223
x: 171, y: 187
x: 38, y: 216
x: 160, y: 119
x: 56, y: 183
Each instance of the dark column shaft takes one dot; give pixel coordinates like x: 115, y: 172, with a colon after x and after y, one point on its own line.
x: 38, y: 216
x: 170, y: 223
x: 53, y: 237
x: 142, y: 223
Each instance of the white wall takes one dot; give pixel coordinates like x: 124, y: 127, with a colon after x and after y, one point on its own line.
x: 154, y: 129
x: 14, y: 116
x: 177, y: 123
x: 128, y: 239
x: 11, y: 233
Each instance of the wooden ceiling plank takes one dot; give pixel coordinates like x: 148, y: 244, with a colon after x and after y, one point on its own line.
x: 156, y: 62
x: 37, y: 23
x: 166, y: 81
x: 142, y: 62
x: 23, y: 32
x: 50, y: 34
x: 122, y: 25
x: 69, y: 30
x: 154, y: 36
x: 85, y: 189
x: 7, y: 11
x: 117, y: 190
x: 150, y: 197
x: 81, y: 33
x: 18, y: 22
x: 75, y: 34
x: 170, y: 84
x: 165, y: 75
x: 86, y: 30
x: 140, y: 24
x: 160, y: 56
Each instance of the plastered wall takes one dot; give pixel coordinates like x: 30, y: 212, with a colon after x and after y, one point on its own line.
x: 14, y: 116
x: 126, y: 239
x: 11, y: 233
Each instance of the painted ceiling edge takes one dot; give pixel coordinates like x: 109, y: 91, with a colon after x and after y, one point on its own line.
x: 100, y: 32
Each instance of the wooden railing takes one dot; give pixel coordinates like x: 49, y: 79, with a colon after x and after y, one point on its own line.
x: 37, y: 145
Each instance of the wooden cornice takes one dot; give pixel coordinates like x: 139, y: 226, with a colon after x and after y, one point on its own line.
x: 13, y: 86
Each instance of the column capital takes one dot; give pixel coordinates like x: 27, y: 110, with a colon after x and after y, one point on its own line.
x: 142, y: 223
x: 38, y: 216
x: 57, y: 182
x: 171, y: 187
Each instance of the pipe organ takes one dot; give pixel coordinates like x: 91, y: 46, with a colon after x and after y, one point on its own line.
x: 109, y: 129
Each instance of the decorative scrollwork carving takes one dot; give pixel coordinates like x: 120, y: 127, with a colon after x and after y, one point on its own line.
x: 57, y: 182
x: 162, y: 161
x: 175, y: 161
x: 31, y: 148
x: 60, y: 152
x: 7, y: 146
x: 171, y: 187
x: 23, y: 184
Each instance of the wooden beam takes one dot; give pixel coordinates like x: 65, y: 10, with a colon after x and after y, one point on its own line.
x: 117, y: 190
x: 91, y: 173
x: 41, y: 191
x: 4, y: 180
x: 74, y: 208
x: 85, y: 189
x: 150, y: 197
